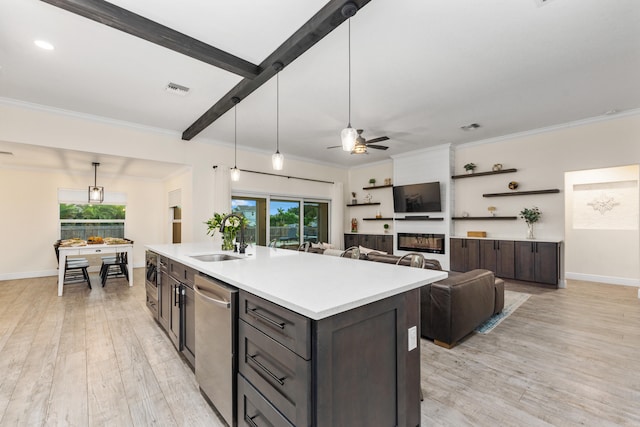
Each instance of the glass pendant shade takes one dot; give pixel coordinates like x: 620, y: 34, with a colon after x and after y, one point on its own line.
x: 277, y: 161
x: 235, y: 174
x: 348, y: 136
x: 96, y: 194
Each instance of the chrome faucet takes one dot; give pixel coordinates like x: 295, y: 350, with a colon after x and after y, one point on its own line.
x: 242, y: 245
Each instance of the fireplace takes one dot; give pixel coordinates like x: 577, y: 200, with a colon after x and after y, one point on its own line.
x: 420, y: 242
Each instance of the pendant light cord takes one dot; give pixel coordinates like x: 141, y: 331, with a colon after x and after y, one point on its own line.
x: 278, y: 112
x: 235, y: 136
x: 349, y: 50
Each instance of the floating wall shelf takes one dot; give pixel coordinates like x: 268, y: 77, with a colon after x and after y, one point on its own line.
x: 364, y: 204
x: 377, y: 186
x: 419, y: 219
x: 522, y: 193
x: 483, y: 217
x: 377, y: 219
x: 472, y: 175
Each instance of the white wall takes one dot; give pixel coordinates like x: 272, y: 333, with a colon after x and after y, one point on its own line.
x: 358, y: 178
x: 30, y: 217
x: 614, y: 228
x: 542, y: 160
x: 53, y: 129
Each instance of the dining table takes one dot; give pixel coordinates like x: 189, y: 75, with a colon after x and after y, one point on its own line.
x: 93, y: 249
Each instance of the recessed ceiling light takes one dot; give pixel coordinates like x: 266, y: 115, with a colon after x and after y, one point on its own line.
x: 472, y: 126
x: 42, y: 44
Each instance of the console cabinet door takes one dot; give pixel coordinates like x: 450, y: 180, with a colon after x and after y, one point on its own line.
x: 350, y: 240
x: 465, y: 254
x: 489, y: 255
x: 546, y: 262
x: 505, y: 259
x: 537, y: 262
x: 384, y: 243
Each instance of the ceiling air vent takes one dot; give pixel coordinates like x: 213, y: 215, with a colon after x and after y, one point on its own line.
x: 177, y: 89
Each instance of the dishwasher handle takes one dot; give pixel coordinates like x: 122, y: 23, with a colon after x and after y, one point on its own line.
x: 220, y: 303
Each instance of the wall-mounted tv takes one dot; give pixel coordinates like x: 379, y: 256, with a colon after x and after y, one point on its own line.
x: 417, y: 197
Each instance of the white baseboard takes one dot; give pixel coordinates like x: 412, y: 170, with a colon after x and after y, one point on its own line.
x: 612, y: 280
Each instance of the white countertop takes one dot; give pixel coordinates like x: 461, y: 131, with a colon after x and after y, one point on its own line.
x: 515, y: 239
x: 314, y: 285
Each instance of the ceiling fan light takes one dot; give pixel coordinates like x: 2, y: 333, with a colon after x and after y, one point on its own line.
x: 348, y: 136
x: 359, y: 149
x: 277, y: 161
x: 235, y: 174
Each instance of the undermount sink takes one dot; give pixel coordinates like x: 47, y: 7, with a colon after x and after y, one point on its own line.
x: 214, y: 257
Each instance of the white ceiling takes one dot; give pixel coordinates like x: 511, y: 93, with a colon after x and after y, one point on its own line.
x: 420, y: 69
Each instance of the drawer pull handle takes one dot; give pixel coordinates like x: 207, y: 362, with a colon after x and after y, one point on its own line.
x: 265, y: 369
x: 250, y: 421
x: 266, y: 319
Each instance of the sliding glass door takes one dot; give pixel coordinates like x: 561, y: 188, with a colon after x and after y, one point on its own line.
x: 284, y: 223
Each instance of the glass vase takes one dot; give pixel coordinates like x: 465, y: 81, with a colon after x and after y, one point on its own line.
x: 227, y: 240
x: 530, y: 231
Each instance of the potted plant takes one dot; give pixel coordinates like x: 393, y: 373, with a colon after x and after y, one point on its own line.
x: 353, y: 200
x: 531, y: 216
x: 232, y: 226
x: 386, y: 228
x: 372, y: 181
x: 470, y: 167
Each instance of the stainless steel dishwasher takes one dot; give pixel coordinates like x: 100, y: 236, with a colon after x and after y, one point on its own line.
x: 216, y: 321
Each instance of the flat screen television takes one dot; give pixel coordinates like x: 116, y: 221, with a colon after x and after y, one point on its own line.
x: 417, y: 197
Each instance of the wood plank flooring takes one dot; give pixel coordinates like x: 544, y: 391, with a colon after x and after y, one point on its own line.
x: 96, y: 358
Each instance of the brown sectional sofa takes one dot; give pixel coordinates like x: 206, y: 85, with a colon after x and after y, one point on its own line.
x: 452, y: 308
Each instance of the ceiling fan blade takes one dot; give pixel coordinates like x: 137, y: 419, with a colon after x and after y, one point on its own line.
x: 374, y: 140
x: 335, y: 146
x: 378, y: 147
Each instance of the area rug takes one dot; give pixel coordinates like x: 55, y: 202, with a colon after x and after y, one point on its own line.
x: 512, y: 300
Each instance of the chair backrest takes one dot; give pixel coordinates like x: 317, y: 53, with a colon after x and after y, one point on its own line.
x: 415, y: 260
x: 304, y: 247
x: 272, y: 243
x: 352, y: 252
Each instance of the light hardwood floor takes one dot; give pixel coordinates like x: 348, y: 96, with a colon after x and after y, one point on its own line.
x: 96, y: 357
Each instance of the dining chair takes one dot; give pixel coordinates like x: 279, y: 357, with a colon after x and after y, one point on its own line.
x: 351, y: 252
x: 114, y: 267
x: 414, y: 260
x: 75, y: 269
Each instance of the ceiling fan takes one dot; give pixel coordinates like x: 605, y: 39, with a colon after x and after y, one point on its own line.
x: 362, y: 144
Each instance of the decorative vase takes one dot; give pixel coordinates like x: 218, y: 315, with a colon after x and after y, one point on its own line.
x: 227, y: 240
x: 530, y: 230
x: 469, y: 171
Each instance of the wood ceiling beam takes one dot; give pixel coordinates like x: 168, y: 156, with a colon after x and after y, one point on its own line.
x: 311, y: 32
x: 139, y: 26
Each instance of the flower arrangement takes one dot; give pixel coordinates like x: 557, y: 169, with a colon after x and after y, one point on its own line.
x: 492, y: 210
x: 530, y: 215
x: 231, y: 227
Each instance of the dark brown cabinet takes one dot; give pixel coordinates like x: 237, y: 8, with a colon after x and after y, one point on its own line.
x: 537, y: 262
x: 499, y: 257
x: 164, y: 305
x: 284, y: 380
x: 465, y: 254
x: 379, y: 242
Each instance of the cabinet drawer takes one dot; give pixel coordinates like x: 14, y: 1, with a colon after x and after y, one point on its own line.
x: 286, y: 327
x: 283, y: 377
x: 254, y: 410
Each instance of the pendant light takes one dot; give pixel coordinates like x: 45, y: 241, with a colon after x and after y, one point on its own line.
x: 235, y: 172
x: 277, y: 159
x: 349, y: 134
x: 96, y: 194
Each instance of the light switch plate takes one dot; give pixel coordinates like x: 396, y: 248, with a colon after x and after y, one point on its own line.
x: 413, y: 337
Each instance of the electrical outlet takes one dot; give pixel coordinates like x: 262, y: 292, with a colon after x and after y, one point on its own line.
x: 413, y: 337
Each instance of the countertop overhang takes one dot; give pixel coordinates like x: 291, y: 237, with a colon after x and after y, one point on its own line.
x: 316, y: 286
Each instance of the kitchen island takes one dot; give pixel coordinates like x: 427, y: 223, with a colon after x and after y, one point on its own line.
x: 322, y: 340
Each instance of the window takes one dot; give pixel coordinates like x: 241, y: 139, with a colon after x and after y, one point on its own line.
x: 281, y: 227
x: 83, y: 220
